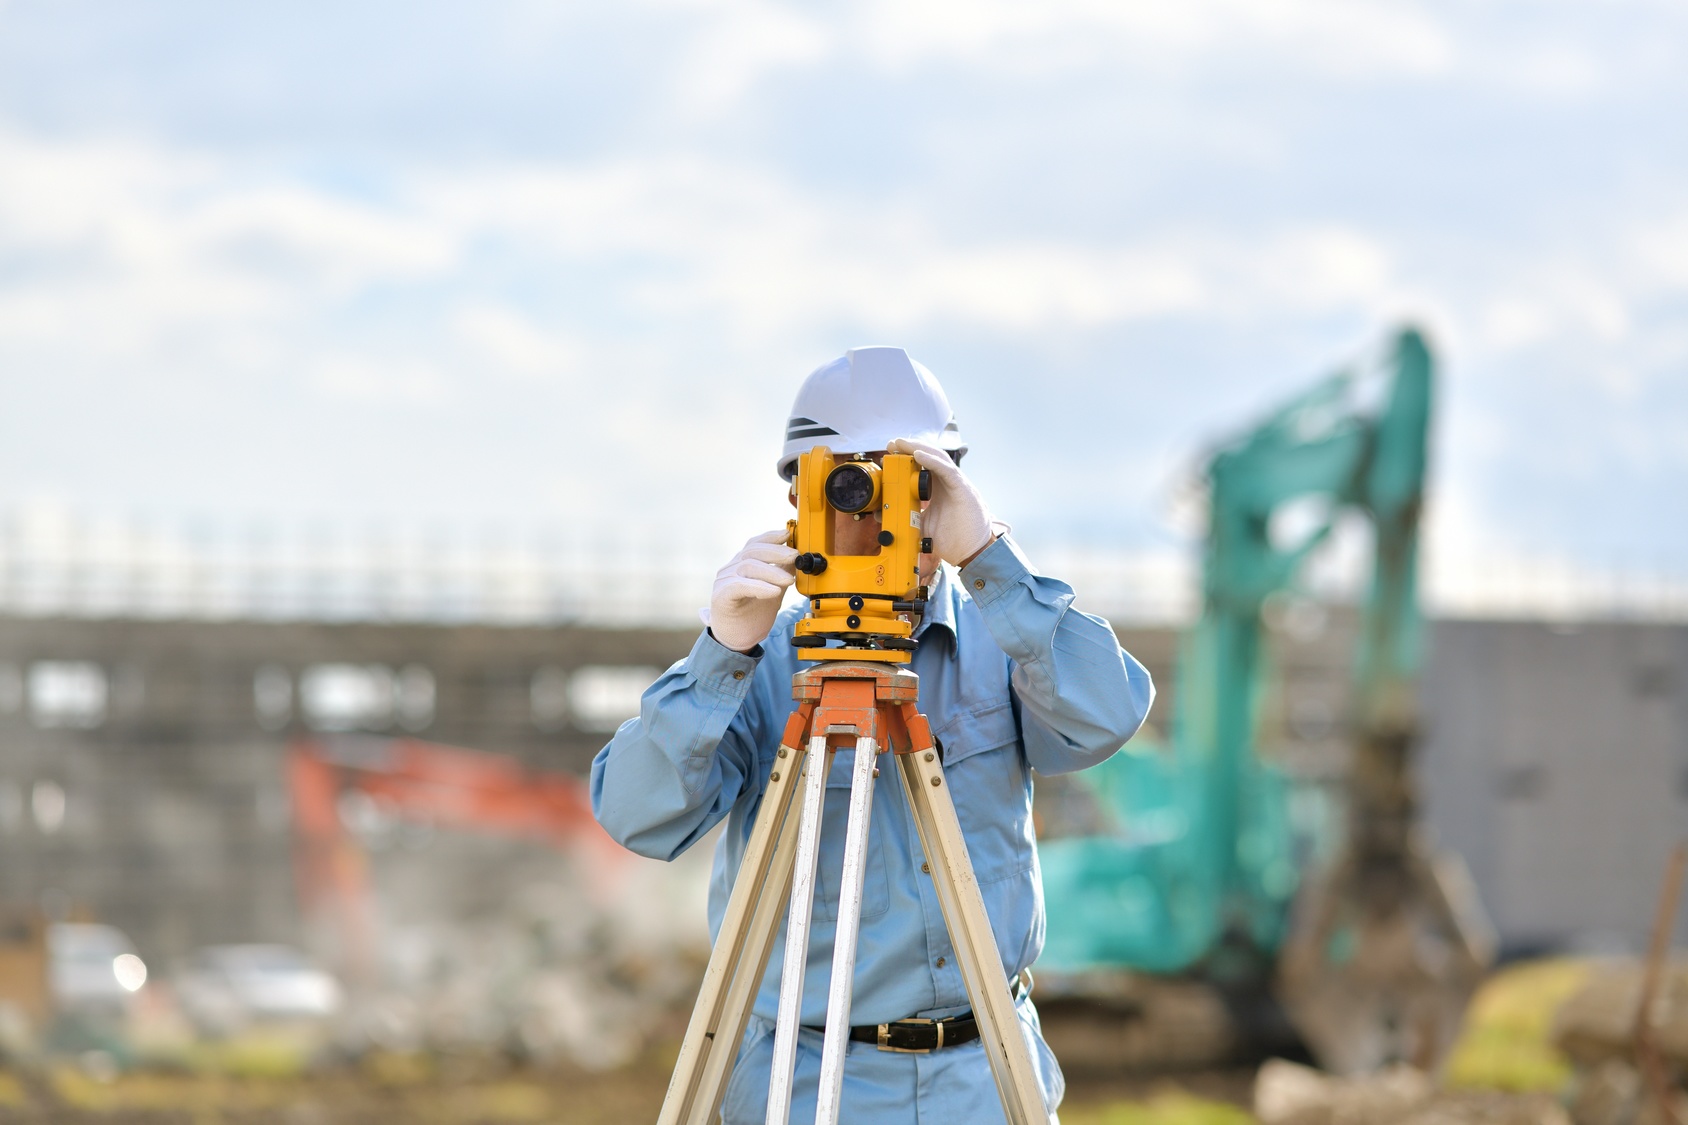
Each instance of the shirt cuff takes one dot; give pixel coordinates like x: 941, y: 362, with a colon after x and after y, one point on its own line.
x: 995, y: 570
x: 714, y: 665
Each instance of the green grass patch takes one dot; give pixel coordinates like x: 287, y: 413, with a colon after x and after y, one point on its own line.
x: 1507, y: 1043
x: 1165, y: 1107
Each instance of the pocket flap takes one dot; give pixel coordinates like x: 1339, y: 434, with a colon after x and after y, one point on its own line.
x: 975, y: 732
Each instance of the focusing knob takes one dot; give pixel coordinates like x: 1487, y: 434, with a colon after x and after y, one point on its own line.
x: 811, y: 563
x: 886, y: 539
x: 856, y: 601
x: 925, y: 484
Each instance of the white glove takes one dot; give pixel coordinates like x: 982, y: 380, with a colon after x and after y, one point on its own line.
x: 957, y: 521
x: 748, y: 591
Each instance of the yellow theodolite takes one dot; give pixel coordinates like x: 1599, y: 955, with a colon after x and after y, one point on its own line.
x: 865, y: 602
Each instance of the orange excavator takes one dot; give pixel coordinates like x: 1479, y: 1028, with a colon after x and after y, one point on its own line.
x: 443, y: 786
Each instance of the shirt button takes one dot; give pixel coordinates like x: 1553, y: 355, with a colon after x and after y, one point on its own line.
x: 738, y: 674
x: 926, y: 869
x: 942, y: 961
x: 978, y: 583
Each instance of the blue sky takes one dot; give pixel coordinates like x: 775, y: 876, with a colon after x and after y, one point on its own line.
x: 540, y: 265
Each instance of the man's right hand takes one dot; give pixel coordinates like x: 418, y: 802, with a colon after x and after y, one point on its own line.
x: 748, y: 591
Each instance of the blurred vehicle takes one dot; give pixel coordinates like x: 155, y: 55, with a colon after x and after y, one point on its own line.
x: 92, y: 970
x: 226, y: 988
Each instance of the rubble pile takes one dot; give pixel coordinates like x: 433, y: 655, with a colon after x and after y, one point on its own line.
x: 544, y: 968
x: 1289, y: 1094
x: 1595, y: 1028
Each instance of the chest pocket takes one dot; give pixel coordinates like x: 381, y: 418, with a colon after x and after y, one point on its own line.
x: 989, y: 783
x: 829, y: 874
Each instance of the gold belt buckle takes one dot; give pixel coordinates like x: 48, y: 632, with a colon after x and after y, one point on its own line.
x: 884, y: 1043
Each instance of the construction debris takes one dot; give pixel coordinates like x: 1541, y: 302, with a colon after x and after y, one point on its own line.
x: 542, y: 966
x: 1596, y: 1029
x: 1289, y: 1094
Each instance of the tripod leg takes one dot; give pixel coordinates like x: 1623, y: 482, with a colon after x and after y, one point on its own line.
x: 797, y: 933
x: 970, y: 933
x: 739, y: 958
x: 747, y: 981
x: 844, y: 943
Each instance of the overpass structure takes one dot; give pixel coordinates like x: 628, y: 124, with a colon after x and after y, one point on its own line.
x: 143, y: 762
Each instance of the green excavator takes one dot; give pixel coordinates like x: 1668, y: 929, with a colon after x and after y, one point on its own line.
x: 1206, y: 860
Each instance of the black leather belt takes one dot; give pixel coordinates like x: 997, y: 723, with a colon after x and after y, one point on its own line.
x: 918, y: 1037
x: 922, y: 1037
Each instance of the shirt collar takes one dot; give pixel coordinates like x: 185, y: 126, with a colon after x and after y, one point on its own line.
x: 941, y: 600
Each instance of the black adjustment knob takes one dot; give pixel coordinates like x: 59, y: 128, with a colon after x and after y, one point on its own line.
x: 802, y: 562
x: 853, y: 621
x: 856, y: 601
x: 926, y: 545
x: 886, y: 539
x: 925, y: 485
x: 811, y: 563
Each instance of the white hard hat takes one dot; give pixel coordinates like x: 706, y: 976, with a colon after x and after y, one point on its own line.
x: 863, y: 400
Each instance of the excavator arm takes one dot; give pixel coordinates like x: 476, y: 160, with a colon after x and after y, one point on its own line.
x: 1376, y: 945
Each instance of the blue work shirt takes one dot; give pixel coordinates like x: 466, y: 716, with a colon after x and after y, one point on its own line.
x: 1012, y: 678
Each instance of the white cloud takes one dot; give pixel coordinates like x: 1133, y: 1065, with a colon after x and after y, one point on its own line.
x: 771, y: 258
x: 119, y: 248
x: 1368, y: 38
x: 335, y: 243
x: 149, y: 243
x: 379, y: 380
x: 746, y: 42
x: 1554, y: 69
x: 1659, y: 251
x: 514, y: 342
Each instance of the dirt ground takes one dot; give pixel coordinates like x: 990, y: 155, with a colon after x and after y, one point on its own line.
x: 1506, y: 1046
x: 464, y: 1092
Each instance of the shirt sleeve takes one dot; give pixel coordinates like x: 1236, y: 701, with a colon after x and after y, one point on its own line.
x: 1081, y: 695
x: 669, y: 775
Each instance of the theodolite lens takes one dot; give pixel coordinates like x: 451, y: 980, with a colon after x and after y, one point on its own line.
x: 851, y: 487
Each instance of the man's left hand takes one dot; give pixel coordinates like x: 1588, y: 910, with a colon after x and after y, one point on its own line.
x: 957, y: 521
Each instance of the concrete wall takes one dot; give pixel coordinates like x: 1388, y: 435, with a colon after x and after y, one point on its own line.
x: 1556, y: 762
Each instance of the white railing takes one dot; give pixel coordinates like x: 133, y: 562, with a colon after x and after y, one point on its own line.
x: 1511, y: 586
x: 625, y: 577
x: 601, y: 576
x: 114, y: 570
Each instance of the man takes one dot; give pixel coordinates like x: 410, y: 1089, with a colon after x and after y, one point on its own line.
x: 1012, y: 678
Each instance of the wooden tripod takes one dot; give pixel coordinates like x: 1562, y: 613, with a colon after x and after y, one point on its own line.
x: 870, y: 705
